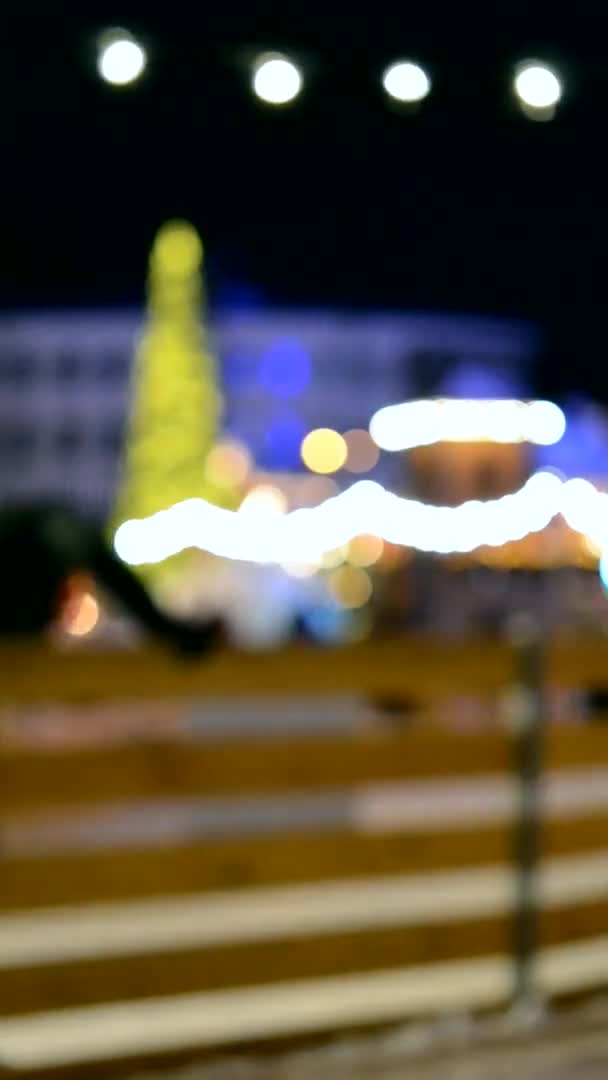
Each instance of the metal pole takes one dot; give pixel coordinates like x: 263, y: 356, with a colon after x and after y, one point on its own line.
x: 528, y: 748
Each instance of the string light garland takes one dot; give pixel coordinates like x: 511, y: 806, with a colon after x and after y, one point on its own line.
x: 498, y: 420
x: 277, y: 80
x: 304, y: 536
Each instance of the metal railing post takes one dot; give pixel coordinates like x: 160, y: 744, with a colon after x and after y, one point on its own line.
x: 528, y: 718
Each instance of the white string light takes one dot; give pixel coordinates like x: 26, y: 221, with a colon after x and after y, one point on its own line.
x: 276, y: 79
x: 537, y: 86
x: 121, y: 59
x: 421, y: 423
x: 407, y: 82
x: 304, y: 536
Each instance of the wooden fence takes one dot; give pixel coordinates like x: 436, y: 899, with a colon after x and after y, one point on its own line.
x: 122, y: 952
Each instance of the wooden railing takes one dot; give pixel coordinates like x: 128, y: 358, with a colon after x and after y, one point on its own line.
x: 118, y: 950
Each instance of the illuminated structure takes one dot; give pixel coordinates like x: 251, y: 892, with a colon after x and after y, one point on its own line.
x: 460, y: 449
x: 175, y: 403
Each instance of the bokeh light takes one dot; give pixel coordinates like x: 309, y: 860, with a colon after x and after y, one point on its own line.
x: 329, y: 624
x: 83, y: 616
x: 591, y: 547
x: 406, y: 82
x: 499, y: 420
x: 228, y: 464
x: 365, y: 550
x: 285, y: 369
x: 538, y: 88
x: 264, y: 499
x: 545, y: 423
x: 324, y: 451
x: 362, y: 454
x: 121, y: 59
x: 276, y: 79
x: 305, y: 533
x: 350, y: 586
x: 300, y: 570
x: 334, y: 557
x: 603, y: 569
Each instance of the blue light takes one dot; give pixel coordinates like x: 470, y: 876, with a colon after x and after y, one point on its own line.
x: 285, y: 368
x: 282, y: 443
x: 327, y: 624
x: 604, y: 569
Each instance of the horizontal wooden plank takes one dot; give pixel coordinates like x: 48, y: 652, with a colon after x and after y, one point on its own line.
x: 35, y: 779
x: 176, y: 922
x: 236, y: 863
x: 117, y: 952
x: 214, y: 968
x: 145, y: 1028
x: 88, y: 982
x: 150, y: 1030
x: 287, y: 858
x: 423, y: 667
x: 579, y: 661
x: 31, y: 779
x: 576, y: 747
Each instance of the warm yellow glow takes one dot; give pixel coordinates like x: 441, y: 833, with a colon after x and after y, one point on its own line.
x: 592, y: 547
x: 178, y: 249
x: 264, y: 499
x: 350, y: 586
x: 228, y: 464
x: 85, y: 616
x: 300, y: 570
x: 365, y: 550
x: 324, y: 451
x: 361, y: 451
x: 333, y: 558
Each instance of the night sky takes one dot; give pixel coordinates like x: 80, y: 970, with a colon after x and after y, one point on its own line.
x: 338, y: 200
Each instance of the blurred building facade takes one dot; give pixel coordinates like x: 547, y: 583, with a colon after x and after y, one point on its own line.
x: 64, y: 385
x: 64, y: 395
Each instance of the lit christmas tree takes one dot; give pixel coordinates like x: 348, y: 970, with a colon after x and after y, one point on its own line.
x: 175, y: 400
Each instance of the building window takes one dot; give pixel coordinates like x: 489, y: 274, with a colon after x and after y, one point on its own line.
x: 68, y: 366
x: 69, y: 441
x: 17, y: 442
x: 17, y: 368
x: 110, y: 438
x: 112, y: 366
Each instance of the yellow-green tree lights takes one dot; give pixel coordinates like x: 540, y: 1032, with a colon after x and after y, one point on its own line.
x: 175, y: 400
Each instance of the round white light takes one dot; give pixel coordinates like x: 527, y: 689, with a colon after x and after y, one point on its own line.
x: 406, y: 82
x: 276, y: 80
x: 546, y: 423
x: 537, y: 86
x: 121, y: 61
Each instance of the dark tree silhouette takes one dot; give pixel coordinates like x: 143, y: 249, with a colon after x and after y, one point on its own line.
x: 41, y: 545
